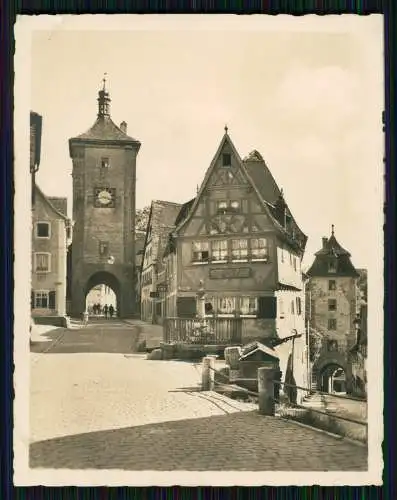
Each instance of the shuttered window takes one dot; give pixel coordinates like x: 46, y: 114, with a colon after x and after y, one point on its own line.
x: 186, y: 307
x: 267, y: 307
x: 51, y: 300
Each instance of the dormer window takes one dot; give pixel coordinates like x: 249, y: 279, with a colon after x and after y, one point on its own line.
x: 105, y: 162
x: 332, y: 264
x: 226, y: 160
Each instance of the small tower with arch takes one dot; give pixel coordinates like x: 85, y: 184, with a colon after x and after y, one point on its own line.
x: 332, y: 298
x: 104, y: 188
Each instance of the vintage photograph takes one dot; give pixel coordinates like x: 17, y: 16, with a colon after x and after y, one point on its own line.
x: 199, y: 250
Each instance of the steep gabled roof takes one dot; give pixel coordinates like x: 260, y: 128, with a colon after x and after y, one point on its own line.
x: 48, y: 202
x: 261, y: 180
x: 162, y: 217
x: 332, y: 247
x: 332, y: 250
x: 261, y: 176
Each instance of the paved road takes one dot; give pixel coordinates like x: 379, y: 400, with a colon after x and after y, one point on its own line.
x: 106, y: 407
x: 100, y: 336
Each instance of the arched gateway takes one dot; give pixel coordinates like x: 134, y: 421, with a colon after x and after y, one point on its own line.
x: 103, y: 248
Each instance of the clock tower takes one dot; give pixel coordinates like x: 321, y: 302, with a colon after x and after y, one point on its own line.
x: 104, y: 184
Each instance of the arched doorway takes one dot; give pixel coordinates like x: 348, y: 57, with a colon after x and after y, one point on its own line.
x: 102, y: 289
x: 333, y: 379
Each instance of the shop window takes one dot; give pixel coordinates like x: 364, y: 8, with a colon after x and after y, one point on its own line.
x: 249, y: 305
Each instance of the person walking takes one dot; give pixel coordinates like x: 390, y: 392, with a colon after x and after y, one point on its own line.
x: 111, y: 311
x: 85, y: 318
x: 105, y: 310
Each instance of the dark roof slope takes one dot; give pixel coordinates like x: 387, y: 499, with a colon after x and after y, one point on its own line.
x: 332, y: 251
x: 61, y: 204
x: 163, y: 215
x: 104, y: 129
x: 50, y: 204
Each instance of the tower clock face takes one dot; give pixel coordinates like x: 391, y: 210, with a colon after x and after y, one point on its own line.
x: 104, y: 197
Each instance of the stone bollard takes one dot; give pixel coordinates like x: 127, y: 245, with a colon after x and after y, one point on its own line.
x: 232, y: 356
x: 208, y: 373
x: 266, y: 390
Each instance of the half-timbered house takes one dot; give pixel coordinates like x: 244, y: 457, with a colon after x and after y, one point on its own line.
x: 239, y: 241
x: 161, y: 222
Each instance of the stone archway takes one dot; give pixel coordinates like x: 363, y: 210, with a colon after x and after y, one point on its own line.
x: 107, y: 279
x: 332, y: 379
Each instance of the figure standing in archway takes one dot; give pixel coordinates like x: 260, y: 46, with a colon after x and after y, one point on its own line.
x: 105, y: 310
x: 111, y: 311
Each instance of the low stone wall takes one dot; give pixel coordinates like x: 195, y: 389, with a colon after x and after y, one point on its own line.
x: 60, y: 321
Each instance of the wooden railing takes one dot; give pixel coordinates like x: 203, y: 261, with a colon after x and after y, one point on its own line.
x: 225, y: 331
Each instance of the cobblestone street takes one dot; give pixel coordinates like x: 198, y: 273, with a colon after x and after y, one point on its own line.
x: 97, y: 404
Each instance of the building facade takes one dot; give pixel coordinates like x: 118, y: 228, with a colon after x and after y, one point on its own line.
x: 161, y: 223
x: 104, y: 184
x: 333, y: 299
x: 51, y: 231
x: 239, y: 241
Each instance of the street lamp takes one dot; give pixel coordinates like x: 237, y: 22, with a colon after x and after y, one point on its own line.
x: 111, y: 259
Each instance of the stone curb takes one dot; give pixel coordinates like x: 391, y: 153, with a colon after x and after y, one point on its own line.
x: 322, y: 431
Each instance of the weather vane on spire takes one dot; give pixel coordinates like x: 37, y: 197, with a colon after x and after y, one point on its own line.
x: 226, y: 129
x: 104, y: 80
x: 332, y: 229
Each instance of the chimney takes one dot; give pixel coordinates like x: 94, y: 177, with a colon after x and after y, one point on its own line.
x: 123, y: 127
x: 325, y: 241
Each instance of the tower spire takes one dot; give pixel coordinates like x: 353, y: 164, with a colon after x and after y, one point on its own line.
x: 332, y: 230
x: 103, y: 99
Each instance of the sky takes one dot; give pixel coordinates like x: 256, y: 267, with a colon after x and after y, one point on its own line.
x: 307, y: 93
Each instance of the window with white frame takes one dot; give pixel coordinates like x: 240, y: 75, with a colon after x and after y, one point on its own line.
x: 227, y: 206
x: 249, y: 305
x: 259, y: 248
x: 240, y: 249
x: 42, y: 262
x: 227, y: 305
x: 42, y: 230
x: 41, y: 299
x: 200, y: 251
x: 219, y: 250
